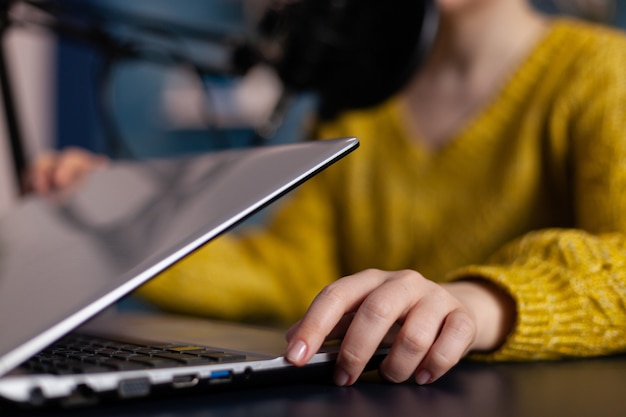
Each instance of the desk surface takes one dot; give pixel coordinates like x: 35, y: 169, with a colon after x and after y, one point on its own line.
x: 593, y: 387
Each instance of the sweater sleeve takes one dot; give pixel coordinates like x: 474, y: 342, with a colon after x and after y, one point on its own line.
x: 268, y: 273
x: 569, y: 285
x: 570, y: 290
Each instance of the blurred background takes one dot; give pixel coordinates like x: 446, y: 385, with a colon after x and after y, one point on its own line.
x: 157, y: 82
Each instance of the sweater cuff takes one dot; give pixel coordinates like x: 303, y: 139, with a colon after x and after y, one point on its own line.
x: 548, y: 316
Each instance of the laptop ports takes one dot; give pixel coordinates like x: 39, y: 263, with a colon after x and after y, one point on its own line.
x: 220, y: 377
x: 185, y: 381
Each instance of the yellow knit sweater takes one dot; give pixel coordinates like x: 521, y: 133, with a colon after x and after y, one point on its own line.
x: 530, y: 194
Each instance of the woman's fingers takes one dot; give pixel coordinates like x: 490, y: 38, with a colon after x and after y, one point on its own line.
x: 58, y: 171
x: 327, y: 311
x: 72, y: 165
x: 434, y: 336
x: 39, y: 176
x: 430, y: 329
x: 414, y: 340
x: 379, y: 311
x: 457, y: 334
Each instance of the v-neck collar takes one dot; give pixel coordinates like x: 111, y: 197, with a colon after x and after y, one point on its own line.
x: 501, y: 101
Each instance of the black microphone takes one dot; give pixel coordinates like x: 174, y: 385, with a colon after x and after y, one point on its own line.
x: 353, y: 53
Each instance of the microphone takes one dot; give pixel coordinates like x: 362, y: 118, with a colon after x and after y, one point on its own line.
x: 353, y: 53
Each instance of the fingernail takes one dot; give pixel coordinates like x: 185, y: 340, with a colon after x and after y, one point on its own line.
x: 341, y: 377
x: 296, y: 352
x: 423, y: 377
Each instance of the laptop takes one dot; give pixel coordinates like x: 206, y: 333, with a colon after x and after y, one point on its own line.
x: 66, y: 260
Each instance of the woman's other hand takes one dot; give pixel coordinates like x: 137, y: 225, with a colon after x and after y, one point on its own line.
x: 61, y: 170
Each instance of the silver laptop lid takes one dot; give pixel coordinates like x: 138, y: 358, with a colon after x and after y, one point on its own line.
x: 64, y: 259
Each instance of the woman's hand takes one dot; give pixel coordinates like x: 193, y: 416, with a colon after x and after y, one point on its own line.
x: 431, y: 326
x: 58, y: 171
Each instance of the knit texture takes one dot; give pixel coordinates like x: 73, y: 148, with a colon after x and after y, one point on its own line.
x: 530, y: 195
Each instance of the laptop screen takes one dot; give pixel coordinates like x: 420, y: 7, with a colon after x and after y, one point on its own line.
x: 64, y: 258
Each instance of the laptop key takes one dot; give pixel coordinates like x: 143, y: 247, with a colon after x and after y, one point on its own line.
x: 223, y: 356
x: 155, y: 361
x: 121, y: 365
x: 149, y: 351
x: 185, y: 358
x: 90, y: 368
x: 187, y: 349
x: 214, y: 355
x: 123, y: 355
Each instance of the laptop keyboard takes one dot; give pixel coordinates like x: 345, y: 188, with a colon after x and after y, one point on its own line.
x: 77, y: 353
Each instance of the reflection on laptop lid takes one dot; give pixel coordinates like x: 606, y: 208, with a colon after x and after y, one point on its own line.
x: 65, y: 259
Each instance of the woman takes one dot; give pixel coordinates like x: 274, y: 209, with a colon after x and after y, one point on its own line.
x: 484, y: 211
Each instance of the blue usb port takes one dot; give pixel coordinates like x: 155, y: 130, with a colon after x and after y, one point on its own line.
x: 220, y: 377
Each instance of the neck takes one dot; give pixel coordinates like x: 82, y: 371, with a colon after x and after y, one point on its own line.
x: 476, y: 49
x: 470, y: 41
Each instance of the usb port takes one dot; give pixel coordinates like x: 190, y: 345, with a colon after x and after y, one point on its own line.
x: 220, y: 377
x: 185, y: 381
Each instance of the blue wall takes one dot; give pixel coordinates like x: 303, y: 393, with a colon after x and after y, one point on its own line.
x: 134, y: 85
